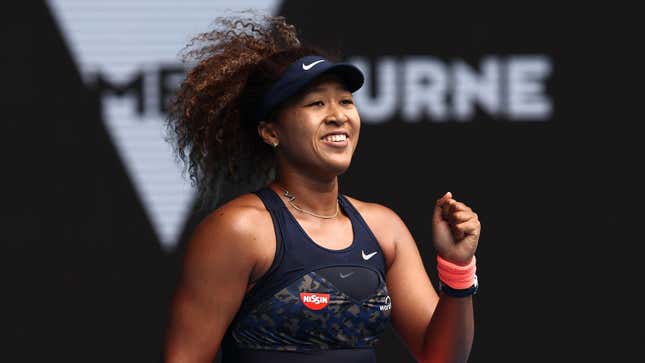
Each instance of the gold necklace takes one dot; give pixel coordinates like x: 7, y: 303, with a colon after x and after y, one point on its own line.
x: 291, y: 198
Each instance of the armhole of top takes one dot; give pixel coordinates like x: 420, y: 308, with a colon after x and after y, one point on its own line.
x: 277, y: 257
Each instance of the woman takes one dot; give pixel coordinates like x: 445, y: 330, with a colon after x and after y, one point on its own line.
x: 296, y: 270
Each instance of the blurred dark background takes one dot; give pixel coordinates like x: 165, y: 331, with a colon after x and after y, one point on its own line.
x: 86, y: 277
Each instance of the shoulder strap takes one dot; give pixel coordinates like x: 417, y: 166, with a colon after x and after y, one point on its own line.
x: 349, y: 208
x: 271, y: 201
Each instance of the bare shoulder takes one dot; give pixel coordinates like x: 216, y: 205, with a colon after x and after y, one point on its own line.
x: 237, y: 227
x: 239, y: 215
x: 372, y: 210
x: 384, y: 223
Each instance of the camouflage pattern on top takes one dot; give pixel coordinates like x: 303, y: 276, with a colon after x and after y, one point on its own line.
x: 283, y: 322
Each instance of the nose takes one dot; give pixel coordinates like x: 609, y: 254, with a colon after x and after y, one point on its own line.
x: 336, y: 115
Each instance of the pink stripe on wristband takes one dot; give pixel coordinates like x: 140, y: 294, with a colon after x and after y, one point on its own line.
x: 456, y: 276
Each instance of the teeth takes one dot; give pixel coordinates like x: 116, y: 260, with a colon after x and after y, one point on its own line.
x: 335, y: 138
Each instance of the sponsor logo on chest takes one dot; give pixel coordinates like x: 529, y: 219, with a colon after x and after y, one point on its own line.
x: 314, y: 301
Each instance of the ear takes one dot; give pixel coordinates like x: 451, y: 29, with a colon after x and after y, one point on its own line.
x: 268, y: 132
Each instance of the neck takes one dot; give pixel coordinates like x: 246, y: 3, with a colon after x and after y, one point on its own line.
x: 315, y: 195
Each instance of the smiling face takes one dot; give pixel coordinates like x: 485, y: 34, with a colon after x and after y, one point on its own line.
x: 317, y: 130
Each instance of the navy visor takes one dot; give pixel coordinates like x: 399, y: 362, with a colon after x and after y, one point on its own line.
x: 302, y: 72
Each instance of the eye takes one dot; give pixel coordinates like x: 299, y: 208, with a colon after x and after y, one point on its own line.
x: 316, y: 103
x: 347, y: 101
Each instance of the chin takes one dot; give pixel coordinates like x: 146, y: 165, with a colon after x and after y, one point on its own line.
x: 338, y: 168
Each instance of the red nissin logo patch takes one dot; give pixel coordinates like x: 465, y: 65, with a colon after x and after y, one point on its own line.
x: 314, y: 301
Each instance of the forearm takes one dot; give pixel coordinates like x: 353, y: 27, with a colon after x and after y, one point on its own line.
x: 449, y: 335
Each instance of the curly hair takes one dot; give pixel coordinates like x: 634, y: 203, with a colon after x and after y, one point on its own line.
x: 211, y: 117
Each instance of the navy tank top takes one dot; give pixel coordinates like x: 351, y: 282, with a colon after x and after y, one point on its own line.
x: 313, y: 303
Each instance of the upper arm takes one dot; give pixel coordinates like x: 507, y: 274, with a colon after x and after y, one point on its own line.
x: 413, y: 297
x: 214, y: 277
